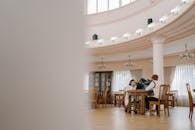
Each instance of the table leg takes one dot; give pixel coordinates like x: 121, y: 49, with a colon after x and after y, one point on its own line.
x: 142, y: 105
x: 114, y: 100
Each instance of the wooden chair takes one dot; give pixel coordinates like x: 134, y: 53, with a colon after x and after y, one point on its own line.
x: 163, y: 99
x: 191, y: 103
x: 172, y: 98
x: 119, y: 99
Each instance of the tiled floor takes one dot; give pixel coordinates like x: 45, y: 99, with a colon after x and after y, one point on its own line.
x: 114, y: 118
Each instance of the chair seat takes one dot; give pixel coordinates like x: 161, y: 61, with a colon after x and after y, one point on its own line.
x: 161, y: 100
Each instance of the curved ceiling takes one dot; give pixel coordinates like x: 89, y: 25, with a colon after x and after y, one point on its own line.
x: 180, y: 28
x: 173, y: 48
x: 115, y: 24
x: 121, y: 13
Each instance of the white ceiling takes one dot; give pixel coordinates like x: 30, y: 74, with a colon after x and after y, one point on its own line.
x: 171, y: 48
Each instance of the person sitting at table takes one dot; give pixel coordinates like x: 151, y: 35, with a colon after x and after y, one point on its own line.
x: 154, y: 88
x: 132, y: 86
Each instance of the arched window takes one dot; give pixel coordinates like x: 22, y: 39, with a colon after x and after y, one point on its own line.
x: 97, y: 6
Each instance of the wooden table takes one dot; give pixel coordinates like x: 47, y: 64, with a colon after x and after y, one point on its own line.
x: 141, y: 93
x: 120, y: 97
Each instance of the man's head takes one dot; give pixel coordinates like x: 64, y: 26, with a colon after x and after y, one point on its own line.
x: 155, y: 77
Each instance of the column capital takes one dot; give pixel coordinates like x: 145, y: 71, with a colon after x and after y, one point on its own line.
x: 158, y: 39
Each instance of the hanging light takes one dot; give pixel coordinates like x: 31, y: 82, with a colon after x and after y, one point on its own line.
x: 102, y: 64
x: 129, y: 63
x: 186, y: 55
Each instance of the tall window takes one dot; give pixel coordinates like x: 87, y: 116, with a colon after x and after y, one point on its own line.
x: 113, y: 4
x: 121, y: 80
x: 124, y: 2
x: 183, y: 74
x: 91, y: 6
x: 102, y: 5
x: 96, y: 6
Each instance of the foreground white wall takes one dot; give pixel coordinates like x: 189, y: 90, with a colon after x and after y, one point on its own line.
x: 39, y: 89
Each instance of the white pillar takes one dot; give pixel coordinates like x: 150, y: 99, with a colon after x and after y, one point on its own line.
x: 158, y: 62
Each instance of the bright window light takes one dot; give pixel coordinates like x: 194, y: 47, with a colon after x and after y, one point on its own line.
x: 102, y: 5
x: 91, y: 6
x: 125, y: 2
x: 113, y: 4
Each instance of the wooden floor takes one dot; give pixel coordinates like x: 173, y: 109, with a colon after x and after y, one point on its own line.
x: 114, y: 118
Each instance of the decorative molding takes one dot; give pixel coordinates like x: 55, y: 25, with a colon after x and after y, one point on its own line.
x: 158, y: 29
x: 184, y: 26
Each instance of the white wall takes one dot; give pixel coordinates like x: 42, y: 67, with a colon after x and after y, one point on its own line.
x: 127, y: 19
x: 39, y: 89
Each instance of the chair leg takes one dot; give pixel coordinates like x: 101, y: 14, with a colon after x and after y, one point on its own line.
x: 190, y: 115
x: 158, y: 110
x: 191, y: 112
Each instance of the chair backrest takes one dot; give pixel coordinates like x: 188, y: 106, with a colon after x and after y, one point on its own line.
x: 163, y: 91
x: 189, y: 95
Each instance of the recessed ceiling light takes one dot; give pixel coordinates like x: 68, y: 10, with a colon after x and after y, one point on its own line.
x: 126, y: 35
x: 139, y: 31
x: 100, y: 41
x: 113, y: 39
x: 151, y: 26
x: 163, y: 19
x: 175, y: 10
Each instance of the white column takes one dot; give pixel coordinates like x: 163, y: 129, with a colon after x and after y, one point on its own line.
x: 158, y: 62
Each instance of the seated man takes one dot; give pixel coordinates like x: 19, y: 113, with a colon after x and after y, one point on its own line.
x: 153, y: 86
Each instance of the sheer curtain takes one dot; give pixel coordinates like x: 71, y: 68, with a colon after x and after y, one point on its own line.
x: 169, y: 74
x: 121, y: 79
x: 183, y: 74
x: 136, y: 74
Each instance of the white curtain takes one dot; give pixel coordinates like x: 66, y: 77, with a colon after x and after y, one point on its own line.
x: 121, y: 79
x: 183, y: 74
x: 136, y: 74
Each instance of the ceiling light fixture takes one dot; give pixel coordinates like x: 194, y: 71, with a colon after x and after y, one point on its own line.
x: 151, y: 26
x: 100, y: 41
x: 102, y: 64
x: 113, y: 39
x: 126, y: 36
x: 163, y: 19
x: 175, y: 11
x: 129, y: 63
x: 139, y: 32
x: 186, y: 55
